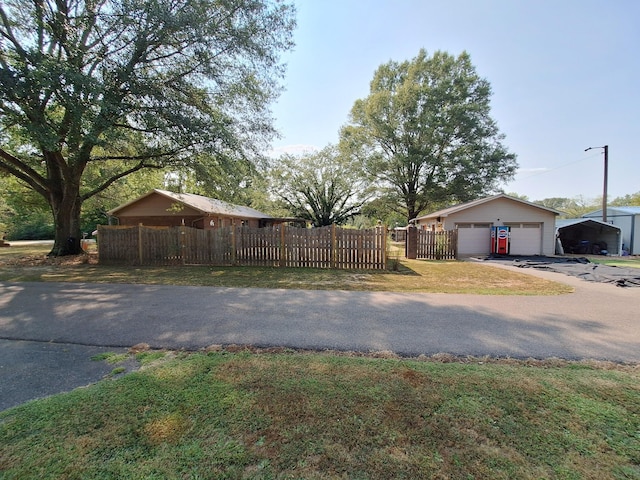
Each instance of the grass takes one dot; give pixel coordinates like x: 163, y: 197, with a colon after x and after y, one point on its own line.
x: 110, y: 358
x: 633, y: 262
x: 29, y: 263
x: 323, y: 416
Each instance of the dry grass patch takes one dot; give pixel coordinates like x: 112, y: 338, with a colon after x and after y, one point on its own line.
x: 21, y: 264
x: 316, y: 416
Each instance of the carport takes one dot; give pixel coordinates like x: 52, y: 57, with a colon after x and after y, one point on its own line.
x: 587, y: 236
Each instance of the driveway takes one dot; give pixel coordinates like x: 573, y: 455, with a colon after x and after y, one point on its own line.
x: 598, y: 321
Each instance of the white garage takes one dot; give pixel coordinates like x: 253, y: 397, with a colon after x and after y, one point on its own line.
x: 531, y: 226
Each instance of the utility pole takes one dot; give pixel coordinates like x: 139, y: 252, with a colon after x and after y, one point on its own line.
x: 606, y: 176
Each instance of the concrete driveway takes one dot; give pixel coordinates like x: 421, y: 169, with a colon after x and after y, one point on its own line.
x: 598, y: 321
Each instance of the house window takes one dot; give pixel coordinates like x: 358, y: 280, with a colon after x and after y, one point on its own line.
x: 473, y: 225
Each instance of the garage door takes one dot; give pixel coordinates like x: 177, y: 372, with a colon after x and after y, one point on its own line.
x: 474, y: 238
x: 525, y: 238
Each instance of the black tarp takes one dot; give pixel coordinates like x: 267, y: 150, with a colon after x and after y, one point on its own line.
x: 578, y: 267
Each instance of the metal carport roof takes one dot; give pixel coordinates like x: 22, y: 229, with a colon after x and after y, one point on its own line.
x: 588, y: 230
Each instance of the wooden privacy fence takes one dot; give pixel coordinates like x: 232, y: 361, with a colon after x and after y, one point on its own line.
x: 282, y: 246
x: 437, y: 245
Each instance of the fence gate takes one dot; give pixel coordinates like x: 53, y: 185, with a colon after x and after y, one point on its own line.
x: 437, y: 245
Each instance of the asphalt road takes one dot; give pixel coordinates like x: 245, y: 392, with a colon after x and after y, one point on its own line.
x: 66, y: 322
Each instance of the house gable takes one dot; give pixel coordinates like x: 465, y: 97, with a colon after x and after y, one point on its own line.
x: 155, y: 206
x: 483, y: 202
x: 501, y: 211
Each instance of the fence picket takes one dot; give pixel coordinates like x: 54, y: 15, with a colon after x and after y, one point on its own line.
x: 437, y: 245
x: 325, y: 247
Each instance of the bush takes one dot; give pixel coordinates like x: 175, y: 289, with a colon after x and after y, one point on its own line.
x: 36, y: 226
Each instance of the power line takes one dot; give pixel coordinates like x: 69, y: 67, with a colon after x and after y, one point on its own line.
x: 547, y: 170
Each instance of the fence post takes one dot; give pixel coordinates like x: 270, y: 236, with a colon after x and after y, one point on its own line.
x: 454, y: 237
x: 100, y: 227
x: 139, y: 244
x: 384, y: 247
x: 411, y: 244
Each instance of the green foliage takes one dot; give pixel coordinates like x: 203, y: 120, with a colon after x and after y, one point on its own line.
x: 517, y: 195
x: 386, y: 210
x: 148, y: 357
x: 571, y: 207
x: 239, y: 181
x: 110, y: 357
x: 626, y: 200
x: 132, y: 85
x: 578, y: 206
x: 425, y: 132
x: 35, y: 226
x: 324, y: 187
x: 24, y: 215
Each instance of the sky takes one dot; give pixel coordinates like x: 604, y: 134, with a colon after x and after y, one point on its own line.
x: 565, y: 76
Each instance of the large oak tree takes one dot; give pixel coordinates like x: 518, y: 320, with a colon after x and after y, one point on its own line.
x: 426, y: 134
x: 132, y: 84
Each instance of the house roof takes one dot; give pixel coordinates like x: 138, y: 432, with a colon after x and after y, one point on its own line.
x: 200, y: 203
x: 474, y: 203
x: 629, y: 210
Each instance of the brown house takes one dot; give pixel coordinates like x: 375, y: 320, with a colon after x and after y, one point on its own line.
x: 168, y: 209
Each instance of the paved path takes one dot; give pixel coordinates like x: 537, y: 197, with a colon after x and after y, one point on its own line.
x: 30, y: 370
x: 598, y: 321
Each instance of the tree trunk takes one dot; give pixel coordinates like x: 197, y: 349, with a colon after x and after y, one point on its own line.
x: 411, y: 211
x: 66, y: 205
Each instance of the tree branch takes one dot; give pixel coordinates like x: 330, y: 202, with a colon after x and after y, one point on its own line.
x: 115, y: 178
x: 18, y: 169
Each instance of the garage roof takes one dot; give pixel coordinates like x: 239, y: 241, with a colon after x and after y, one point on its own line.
x: 463, y: 206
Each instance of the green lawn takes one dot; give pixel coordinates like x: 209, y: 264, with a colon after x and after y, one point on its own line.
x: 633, y: 262
x: 325, y: 416
x: 21, y: 264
